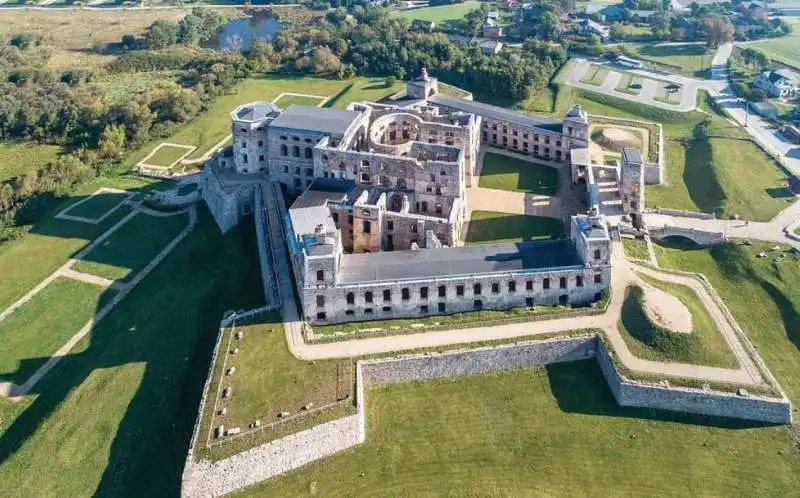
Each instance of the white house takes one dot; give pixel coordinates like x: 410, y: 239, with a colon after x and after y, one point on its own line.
x: 589, y: 27
x: 491, y: 47
x: 780, y: 83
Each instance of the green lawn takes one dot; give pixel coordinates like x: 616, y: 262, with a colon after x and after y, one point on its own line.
x: 165, y: 155
x: 212, y: 126
x: 595, y: 75
x: 509, y: 173
x: 693, y: 60
x: 51, y: 242
x: 132, y: 246
x: 629, y: 83
x: 440, y: 13
x: 19, y: 158
x: 97, y: 205
x: 288, y: 100
x: 492, y: 227
x: 554, y: 431
x: 668, y: 93
x: 115, y: 418
x: 42, y: 325
x: 783, y: 49
x: 635, y: 249
x: 704, y: 346
x: 269, y: 380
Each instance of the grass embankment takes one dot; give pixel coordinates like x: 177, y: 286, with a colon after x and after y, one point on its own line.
x: 288, y: 100
x: 703, y: 346
x: 761, y: 293
x: 35, y: 331
x: 495, y: 435
x: 711, y: 164
x: 635, y: 249
x: 125, y: 252
x: 270, y: 380
x: 213, y: 126
x: 509, y: 173
x: 439, y: 14
x: 97, y: 205
x: 166, y: 155
x: 16, y: 159
x: 491, y: 227
x: 115, y: 417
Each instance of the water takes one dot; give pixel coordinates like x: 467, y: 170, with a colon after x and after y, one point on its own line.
x: 238, y: 35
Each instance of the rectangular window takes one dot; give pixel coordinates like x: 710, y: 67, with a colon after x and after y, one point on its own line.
x: 495, y: 288
x: 528, y: 302
x: 320, y: 275
x: 321, y: 316
x: 442, y: 291
x: 423, y: 308
x: 442, y: 307
x: 476, y: 289
x: 390, y: 225
x: 562, y: 282
x: 546, y: 283
x: 349, y: 312
x: 529, y: 285
x: 423, y: 292
x: 320, y: 301
x: 405, y: 295
x: 367, y: 311
x: 512, y: 286
x: 386, y: 309
x: 367, y: 226
x: 368, y: 297
x: 598, y: 278
x: 578, y: 281
x: 387, y: 295
x: 459, y: 290
x: 597, y: 254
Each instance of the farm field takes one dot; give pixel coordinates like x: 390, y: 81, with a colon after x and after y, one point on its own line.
x: 123, y: 404
x: 125, y: 252
x: 497, y: 435
x: 440, y: 13
x: 42, y: 325
x: 491, y: 227
x: 213, y: 126
x: 509, y: 173
x: 19, y: 158
x: 784, y: 49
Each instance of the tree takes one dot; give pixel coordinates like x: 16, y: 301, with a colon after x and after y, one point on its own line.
x: 618, y: 32
x: 346, y: 71
x: 548, y: 22
x: 112, y: 142
x: 129, y: 42
x: 717, y: 31
x: 161, y: 34
x: 325, y: 61
x: 390, y: 81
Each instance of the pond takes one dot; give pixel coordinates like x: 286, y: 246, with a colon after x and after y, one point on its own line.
x: 237, y: 35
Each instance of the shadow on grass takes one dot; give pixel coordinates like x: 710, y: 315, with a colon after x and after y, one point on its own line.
x: 168, y: 324
x: 502, y: 227
x: 672, y: 50
x: 699, y: 176
x: 579, y: 387
x: 336, y: 98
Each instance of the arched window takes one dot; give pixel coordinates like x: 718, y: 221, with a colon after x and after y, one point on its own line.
x: 284, y: 150
x: 309, y: 153
x: 296, y: 151
x: 351, y: 298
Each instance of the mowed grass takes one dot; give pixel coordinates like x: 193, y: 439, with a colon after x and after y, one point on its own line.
x: 440, y: 13
x: 214, y: 125
x: 269, y: 380
x: 97, y: 205
x: 629, y: 83
x: 17, y: 158
x: 126, y: 251
x: 509, y: 173
x: 761, y: 294
x: 288, y: 100
x: 783, y: 49
x: 635, y: 249
x: 492, y: 227
x: 554, y: 431
x: 595, y: 75
x: 115, y: 418
x: 35, y: 331
x: 645, y: 339
x: 165, y: 155
x: 694, y: 59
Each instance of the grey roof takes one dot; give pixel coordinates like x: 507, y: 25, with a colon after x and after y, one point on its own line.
x: 310, y: 209
x: 456, y: 261
x: 495, y: 112
x: 630, y: 155
x: 580, y: 156
x: 255, y: 111
x: 319, y: 119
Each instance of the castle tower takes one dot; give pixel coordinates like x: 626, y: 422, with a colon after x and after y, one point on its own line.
x: 423, y: 86
x: 576, y: 125
x: 631, y: 185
